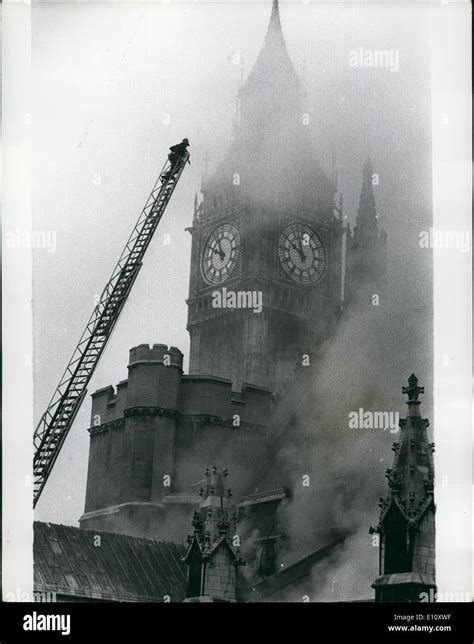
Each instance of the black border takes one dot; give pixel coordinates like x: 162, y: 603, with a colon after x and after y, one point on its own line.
x: 315, y: 622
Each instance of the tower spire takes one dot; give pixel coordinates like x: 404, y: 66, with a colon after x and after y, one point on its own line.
x: 275, y: 22
x: 273, y: 66
x: 366, y: 222
x: 367, y: 246
x: 406, y: 525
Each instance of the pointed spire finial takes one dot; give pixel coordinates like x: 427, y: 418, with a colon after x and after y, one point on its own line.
x: 275, y: 22
x: 413, y: 391
x: 273, y: 67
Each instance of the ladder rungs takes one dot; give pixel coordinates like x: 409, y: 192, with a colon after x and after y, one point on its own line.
x: 56, y: 421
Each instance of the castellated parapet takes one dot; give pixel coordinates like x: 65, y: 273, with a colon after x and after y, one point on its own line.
x: 152, y: 436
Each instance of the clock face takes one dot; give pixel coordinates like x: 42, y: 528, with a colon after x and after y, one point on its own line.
x: 301, y: 253
x: 220, y: 254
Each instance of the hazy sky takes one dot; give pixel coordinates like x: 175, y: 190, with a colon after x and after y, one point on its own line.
x: 105, y: 78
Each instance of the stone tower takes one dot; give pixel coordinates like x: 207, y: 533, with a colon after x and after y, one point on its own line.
x: 267, y: 227
x: 211, y: 557
x: 152, y: 436
x: 407, y: 521
x: 366, y: 264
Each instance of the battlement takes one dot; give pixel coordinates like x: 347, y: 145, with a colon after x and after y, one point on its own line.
x: 154, y: 433
x: 156, y: 381
x: 171, y: 356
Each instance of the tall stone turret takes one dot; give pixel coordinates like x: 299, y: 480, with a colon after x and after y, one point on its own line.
x: 211, y: 556
x: 407, y: 521
x: 366, y: 265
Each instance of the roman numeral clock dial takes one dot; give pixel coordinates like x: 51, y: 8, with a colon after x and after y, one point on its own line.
x: 301, y: 253
x: 220, y: 254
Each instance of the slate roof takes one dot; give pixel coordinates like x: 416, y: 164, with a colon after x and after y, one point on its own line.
x: 121, y: 568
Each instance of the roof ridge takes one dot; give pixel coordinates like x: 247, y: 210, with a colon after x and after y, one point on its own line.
x: 98, y: 532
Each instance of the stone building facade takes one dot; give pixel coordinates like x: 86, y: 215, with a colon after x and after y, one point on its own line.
x: 152, y: 437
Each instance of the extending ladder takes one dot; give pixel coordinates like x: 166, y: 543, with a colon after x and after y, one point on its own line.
x: 58, y: 418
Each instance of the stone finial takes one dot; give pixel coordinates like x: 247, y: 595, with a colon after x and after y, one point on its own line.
x: 413, y: 391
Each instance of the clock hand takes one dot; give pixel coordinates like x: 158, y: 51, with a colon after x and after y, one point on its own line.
x: 219, y: 252
x: 300, y: 251
x: 301, y: 244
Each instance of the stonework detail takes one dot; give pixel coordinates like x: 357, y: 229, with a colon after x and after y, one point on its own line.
x: 407, y: 521
x: 142, y: 435
x: 212, y: 558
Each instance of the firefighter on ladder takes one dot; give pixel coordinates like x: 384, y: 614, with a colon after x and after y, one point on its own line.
x: 177, y: 151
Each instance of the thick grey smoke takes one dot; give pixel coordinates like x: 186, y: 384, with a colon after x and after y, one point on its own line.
x: 345, y: 465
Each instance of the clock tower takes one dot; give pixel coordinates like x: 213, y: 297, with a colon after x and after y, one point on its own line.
x: 266, y: 256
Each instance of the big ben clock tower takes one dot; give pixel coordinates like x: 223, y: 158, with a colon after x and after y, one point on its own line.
x: 266, y: 239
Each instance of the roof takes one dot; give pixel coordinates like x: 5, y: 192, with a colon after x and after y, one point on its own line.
x: 273, y: 65
x: 292, y: 574
x: 204, y: 551
x: 271, y: 151
x: 263, y: 497
x: 398, y: 578
x: 97, y: 565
